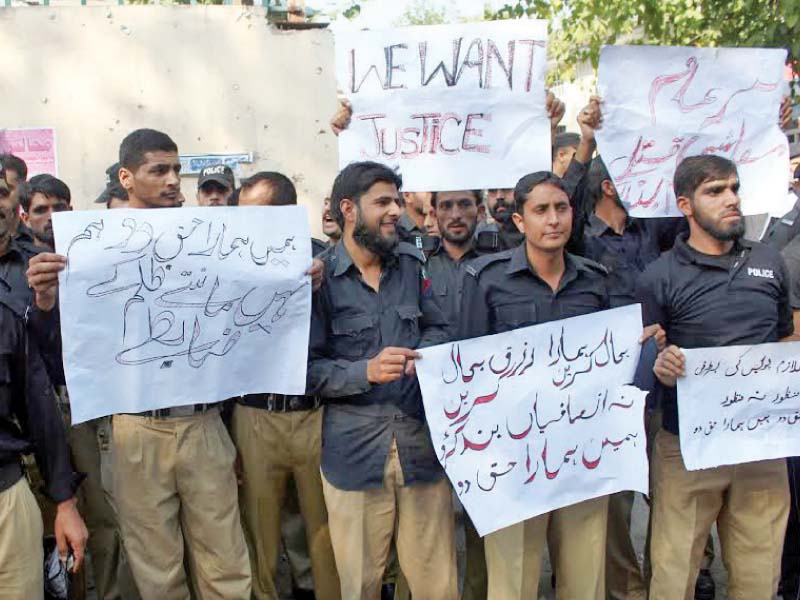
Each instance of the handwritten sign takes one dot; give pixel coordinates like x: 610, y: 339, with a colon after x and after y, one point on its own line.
x: 36, y: 146
x: 664, y: 104
x: 170, y: 307
x: 451, y: 106
x: 535, y: 419
x: 739, y: 404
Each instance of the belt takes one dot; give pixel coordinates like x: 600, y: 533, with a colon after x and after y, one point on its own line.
x: 280, y: 402
x: 176, y: 411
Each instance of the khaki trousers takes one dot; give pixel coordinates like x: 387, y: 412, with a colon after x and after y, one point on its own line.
x: 173, y: 483
x: 275, y: 446
x: 623, y: 575
x: 420, y: 515
x: 21, y: 554
x: 475, y: 579
x: 749, y: 502
x: 514, y: 554
x: 89, y: 445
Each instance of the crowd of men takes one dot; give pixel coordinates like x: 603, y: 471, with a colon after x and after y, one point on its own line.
x: 203, y: 500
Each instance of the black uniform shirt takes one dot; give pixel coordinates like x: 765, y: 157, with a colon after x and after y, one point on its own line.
x: 29, y: 416
x: 705, y: 301
x: 446, y: 274
x: 503, y: 292
x: 13, y: 264
x: 350, y: 324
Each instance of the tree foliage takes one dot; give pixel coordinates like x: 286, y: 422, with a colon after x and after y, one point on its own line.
x: 579, y: 28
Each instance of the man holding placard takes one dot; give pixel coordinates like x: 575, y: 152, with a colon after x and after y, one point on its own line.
x: 381, y: 477
x: 713, y: 289
x: 535, y: 283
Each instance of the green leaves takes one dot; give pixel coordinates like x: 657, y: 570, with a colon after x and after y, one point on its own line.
x: 579, y: 28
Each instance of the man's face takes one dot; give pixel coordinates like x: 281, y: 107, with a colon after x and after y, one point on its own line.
x: 9, y: 203
x: 501, y: 204
x: 457, y: 216
x: 7, y: 222
x: 39, y: 217
x: 156, y: 183
x: 262, y: 193
x: 715, y: 208
x: 562, y: 159
x: 329, y: 225
x: 376, y: 216
x: 546, y: 218
x: 213, y: 193
x: 415, y: 202
x: 118, y: 202
x: 431, y: 224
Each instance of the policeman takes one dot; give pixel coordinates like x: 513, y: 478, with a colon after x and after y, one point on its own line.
x: 456, y: 214
x: 174, y: 482
x: 713, y: 289
x: 534, y: 283
x: 278, y: 438
x: 16, y: 172
x: 114, y: 195
x: 39, y: 197
x: 790, y: 563
x: 30, y: 421
x: 330, y: 227
x: 215, y: 185
x: 15, y: 252
x: 380, y: 472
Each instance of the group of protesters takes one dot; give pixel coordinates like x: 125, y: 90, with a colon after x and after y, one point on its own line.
x: 204, y: 500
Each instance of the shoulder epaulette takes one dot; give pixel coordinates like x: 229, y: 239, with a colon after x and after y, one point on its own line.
x: 406, y: 248
x: 590, y: 265
x: 476, y: 265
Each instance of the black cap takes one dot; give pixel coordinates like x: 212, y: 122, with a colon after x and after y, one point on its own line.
x: 112, y: 174
x: 220, y: 173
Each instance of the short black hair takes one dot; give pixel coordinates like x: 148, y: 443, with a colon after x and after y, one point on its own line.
x: 694, y: 171
x: 598, y: 173
x: 477, y: 193
x: 531, y: 180
x: 285, y: 192
x: 137, y: 143
x: 49, y: 186
x: 354, y: 181
x: 16, y: 164
x: 565, y: 140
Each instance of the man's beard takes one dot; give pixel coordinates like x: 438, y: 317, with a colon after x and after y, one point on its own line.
x: 46, y: 237
x: 707, y: 225
x: 458, y: 239
x: 373, y: 240
x: 505, y: 216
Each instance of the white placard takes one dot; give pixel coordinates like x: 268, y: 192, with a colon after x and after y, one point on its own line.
x: 535, y: 419
x: 739, y: 404
x: 178, y: 306
x: 452, y: 106
x: 662, y: 104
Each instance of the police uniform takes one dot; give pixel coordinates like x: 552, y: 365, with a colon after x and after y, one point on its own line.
x: 502, y: 292
x: 380, y: 472
x: 790, y: 563
x: 278, y: 438
x: 446, y: 275
x: 29, y: 420
x: 708, y: 301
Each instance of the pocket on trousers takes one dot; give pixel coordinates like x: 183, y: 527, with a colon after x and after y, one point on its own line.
x: 127, y: 441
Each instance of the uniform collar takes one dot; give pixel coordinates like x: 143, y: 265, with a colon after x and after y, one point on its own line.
x: 440, y: 250
x: 519, y: 263
x: 344, y: 261
x: 688, y: 255
x: 598, y: 227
